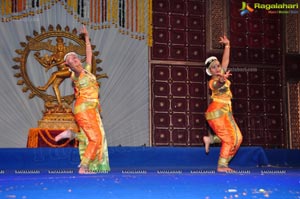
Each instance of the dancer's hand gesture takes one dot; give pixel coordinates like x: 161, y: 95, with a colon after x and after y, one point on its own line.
x: 224, y: 40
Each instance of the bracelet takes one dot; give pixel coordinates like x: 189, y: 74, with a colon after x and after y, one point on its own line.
x: 227, y: 46
x: 87, y: 44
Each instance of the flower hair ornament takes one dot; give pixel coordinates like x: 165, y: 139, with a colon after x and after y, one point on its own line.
x: 208, y: 62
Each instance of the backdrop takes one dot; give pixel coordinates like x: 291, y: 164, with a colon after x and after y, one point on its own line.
x: 124, y: 95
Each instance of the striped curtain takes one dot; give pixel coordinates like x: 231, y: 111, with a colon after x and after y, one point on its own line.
x: 131, y: 17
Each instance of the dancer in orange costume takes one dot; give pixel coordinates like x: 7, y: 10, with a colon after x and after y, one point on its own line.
x: 219, y: 112
x: 92, y: 142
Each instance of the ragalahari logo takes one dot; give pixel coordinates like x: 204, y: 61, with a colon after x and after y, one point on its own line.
x: 245, y: 9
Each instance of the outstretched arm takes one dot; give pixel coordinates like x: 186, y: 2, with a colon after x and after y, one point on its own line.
x: 88, y: 48
x: 226, y: 53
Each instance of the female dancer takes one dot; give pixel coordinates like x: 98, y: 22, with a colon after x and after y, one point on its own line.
x: 92, y: 142
x: 219, y: 112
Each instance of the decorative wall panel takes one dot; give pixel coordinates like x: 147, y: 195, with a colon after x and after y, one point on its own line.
x: 255, y: 37
x: 292, y: 30
x: 292, y: 67
x: 256, y: 46
x: 178, y: 30
x: 258, y: 107
x: 188, y: 31
x: 294, y: 114
x: 216, y: 24
x: 179, y: 100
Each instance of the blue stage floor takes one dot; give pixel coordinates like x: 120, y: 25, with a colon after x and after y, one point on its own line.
x: 156, y: 173
x: 152, y: 185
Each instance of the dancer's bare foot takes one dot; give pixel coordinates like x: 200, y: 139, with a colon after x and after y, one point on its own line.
x: 85, y: 170
x: 225, y: 170
x: 207, y: 141
x: 64, y: 135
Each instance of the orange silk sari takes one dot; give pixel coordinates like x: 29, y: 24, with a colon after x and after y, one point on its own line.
x: 92, y: 142
x: 220, y: 119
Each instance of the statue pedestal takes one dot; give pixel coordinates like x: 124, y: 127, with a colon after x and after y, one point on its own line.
x: 54, y: 121
x: 58, y: 121
x: 58, y: 118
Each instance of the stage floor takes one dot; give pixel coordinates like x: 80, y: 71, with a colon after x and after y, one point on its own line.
x: 267, y: 183
x: 138, y: 172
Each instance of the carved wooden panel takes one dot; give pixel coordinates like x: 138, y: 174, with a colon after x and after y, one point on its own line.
x: 256, y: 42
x: 178, y: 30
x: 292, y: 67
x: 292, y: 30
x: 294, y: 114
x: 255, y: 37
x: 178, y: 101
x: 258, y: 107
x: 185, y: 32
x: 216, y: 25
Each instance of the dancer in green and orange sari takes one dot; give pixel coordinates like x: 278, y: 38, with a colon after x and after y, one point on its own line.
x: 92, y: 142
x: 219, y: 112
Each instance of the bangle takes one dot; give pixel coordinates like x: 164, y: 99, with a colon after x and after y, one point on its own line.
x: 87, y: 44
x: 227, y: 46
